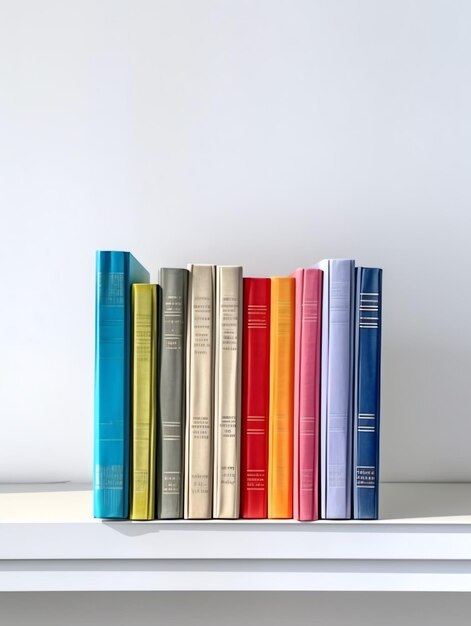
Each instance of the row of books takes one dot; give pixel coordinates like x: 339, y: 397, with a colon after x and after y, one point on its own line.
x: 218, y: 396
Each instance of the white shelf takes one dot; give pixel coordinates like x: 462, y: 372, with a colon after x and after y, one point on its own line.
x: 49, y: 541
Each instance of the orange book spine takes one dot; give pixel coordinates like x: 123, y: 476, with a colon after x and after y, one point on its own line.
x: 280, y: 453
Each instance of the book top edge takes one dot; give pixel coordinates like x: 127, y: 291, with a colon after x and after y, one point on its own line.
x: 365, y: 267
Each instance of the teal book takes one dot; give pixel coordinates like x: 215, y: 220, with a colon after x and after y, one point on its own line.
x: 115, y: 273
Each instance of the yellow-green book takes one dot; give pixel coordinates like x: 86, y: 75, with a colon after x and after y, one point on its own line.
x: 144, y: 364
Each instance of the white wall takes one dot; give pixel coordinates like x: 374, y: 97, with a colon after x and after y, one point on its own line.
x: 271, y: 133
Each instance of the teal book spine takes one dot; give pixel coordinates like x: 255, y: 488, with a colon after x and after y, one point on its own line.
x: 115, y: 273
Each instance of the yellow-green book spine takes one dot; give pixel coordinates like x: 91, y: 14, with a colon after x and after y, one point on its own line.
x: 144, y: 364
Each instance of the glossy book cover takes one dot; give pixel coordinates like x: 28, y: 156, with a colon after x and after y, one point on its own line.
x: 144, y: 301
x: 337, y: 387
x: 307, y: 353
x: 115, y: 272
x: 367, y: 392
x: 280, y: 438
x: 172, y: 391
x: 255, y: 398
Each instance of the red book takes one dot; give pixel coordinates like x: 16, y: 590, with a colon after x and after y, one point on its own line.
x: 255, y: 398
x: 307, y: 361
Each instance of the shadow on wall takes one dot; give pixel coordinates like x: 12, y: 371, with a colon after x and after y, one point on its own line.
x: 425, y: 388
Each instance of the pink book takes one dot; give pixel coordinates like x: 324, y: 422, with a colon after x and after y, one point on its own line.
x: 307, y: 359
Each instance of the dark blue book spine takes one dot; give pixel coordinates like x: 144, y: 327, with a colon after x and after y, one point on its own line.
x: 115, y: 273
x: 367, y: 392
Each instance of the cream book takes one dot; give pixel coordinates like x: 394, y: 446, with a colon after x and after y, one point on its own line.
x: 200, y: 370
x: 227, y: 391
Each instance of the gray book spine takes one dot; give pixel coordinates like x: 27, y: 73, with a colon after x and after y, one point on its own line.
x: 173, y: 320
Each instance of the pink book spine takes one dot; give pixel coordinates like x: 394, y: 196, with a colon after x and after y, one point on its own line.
x: 309, y: 395
x: 298, y: 276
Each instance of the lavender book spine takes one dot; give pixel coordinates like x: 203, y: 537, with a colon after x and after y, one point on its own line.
x: 337, y: 388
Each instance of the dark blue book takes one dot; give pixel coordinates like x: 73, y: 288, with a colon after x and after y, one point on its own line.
x: 115, y: 273
x: 367, y: 392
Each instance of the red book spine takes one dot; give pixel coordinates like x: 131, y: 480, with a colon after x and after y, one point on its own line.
x: 255, y: 398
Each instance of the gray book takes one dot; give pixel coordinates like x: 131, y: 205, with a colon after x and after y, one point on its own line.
x: 171, y: 416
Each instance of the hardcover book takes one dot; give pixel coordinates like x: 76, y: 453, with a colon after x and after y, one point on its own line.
x: 255, y: 398
x: 367, y: 392
x: 227, y: 392
x: 337, y: 388
x: 200, y: 368
x: 307, y: 393
x: 172, y: 392
x: 280, y: 456
x: 144, y: 426
x: 115, y: 272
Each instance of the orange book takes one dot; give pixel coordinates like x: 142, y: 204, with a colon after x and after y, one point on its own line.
x: 280, y: 452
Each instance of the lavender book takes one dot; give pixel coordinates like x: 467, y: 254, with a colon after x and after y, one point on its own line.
x: 337, y: 387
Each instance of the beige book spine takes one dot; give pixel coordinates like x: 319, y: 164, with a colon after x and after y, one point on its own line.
x: 227, y: 393
x: 200, y: 371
